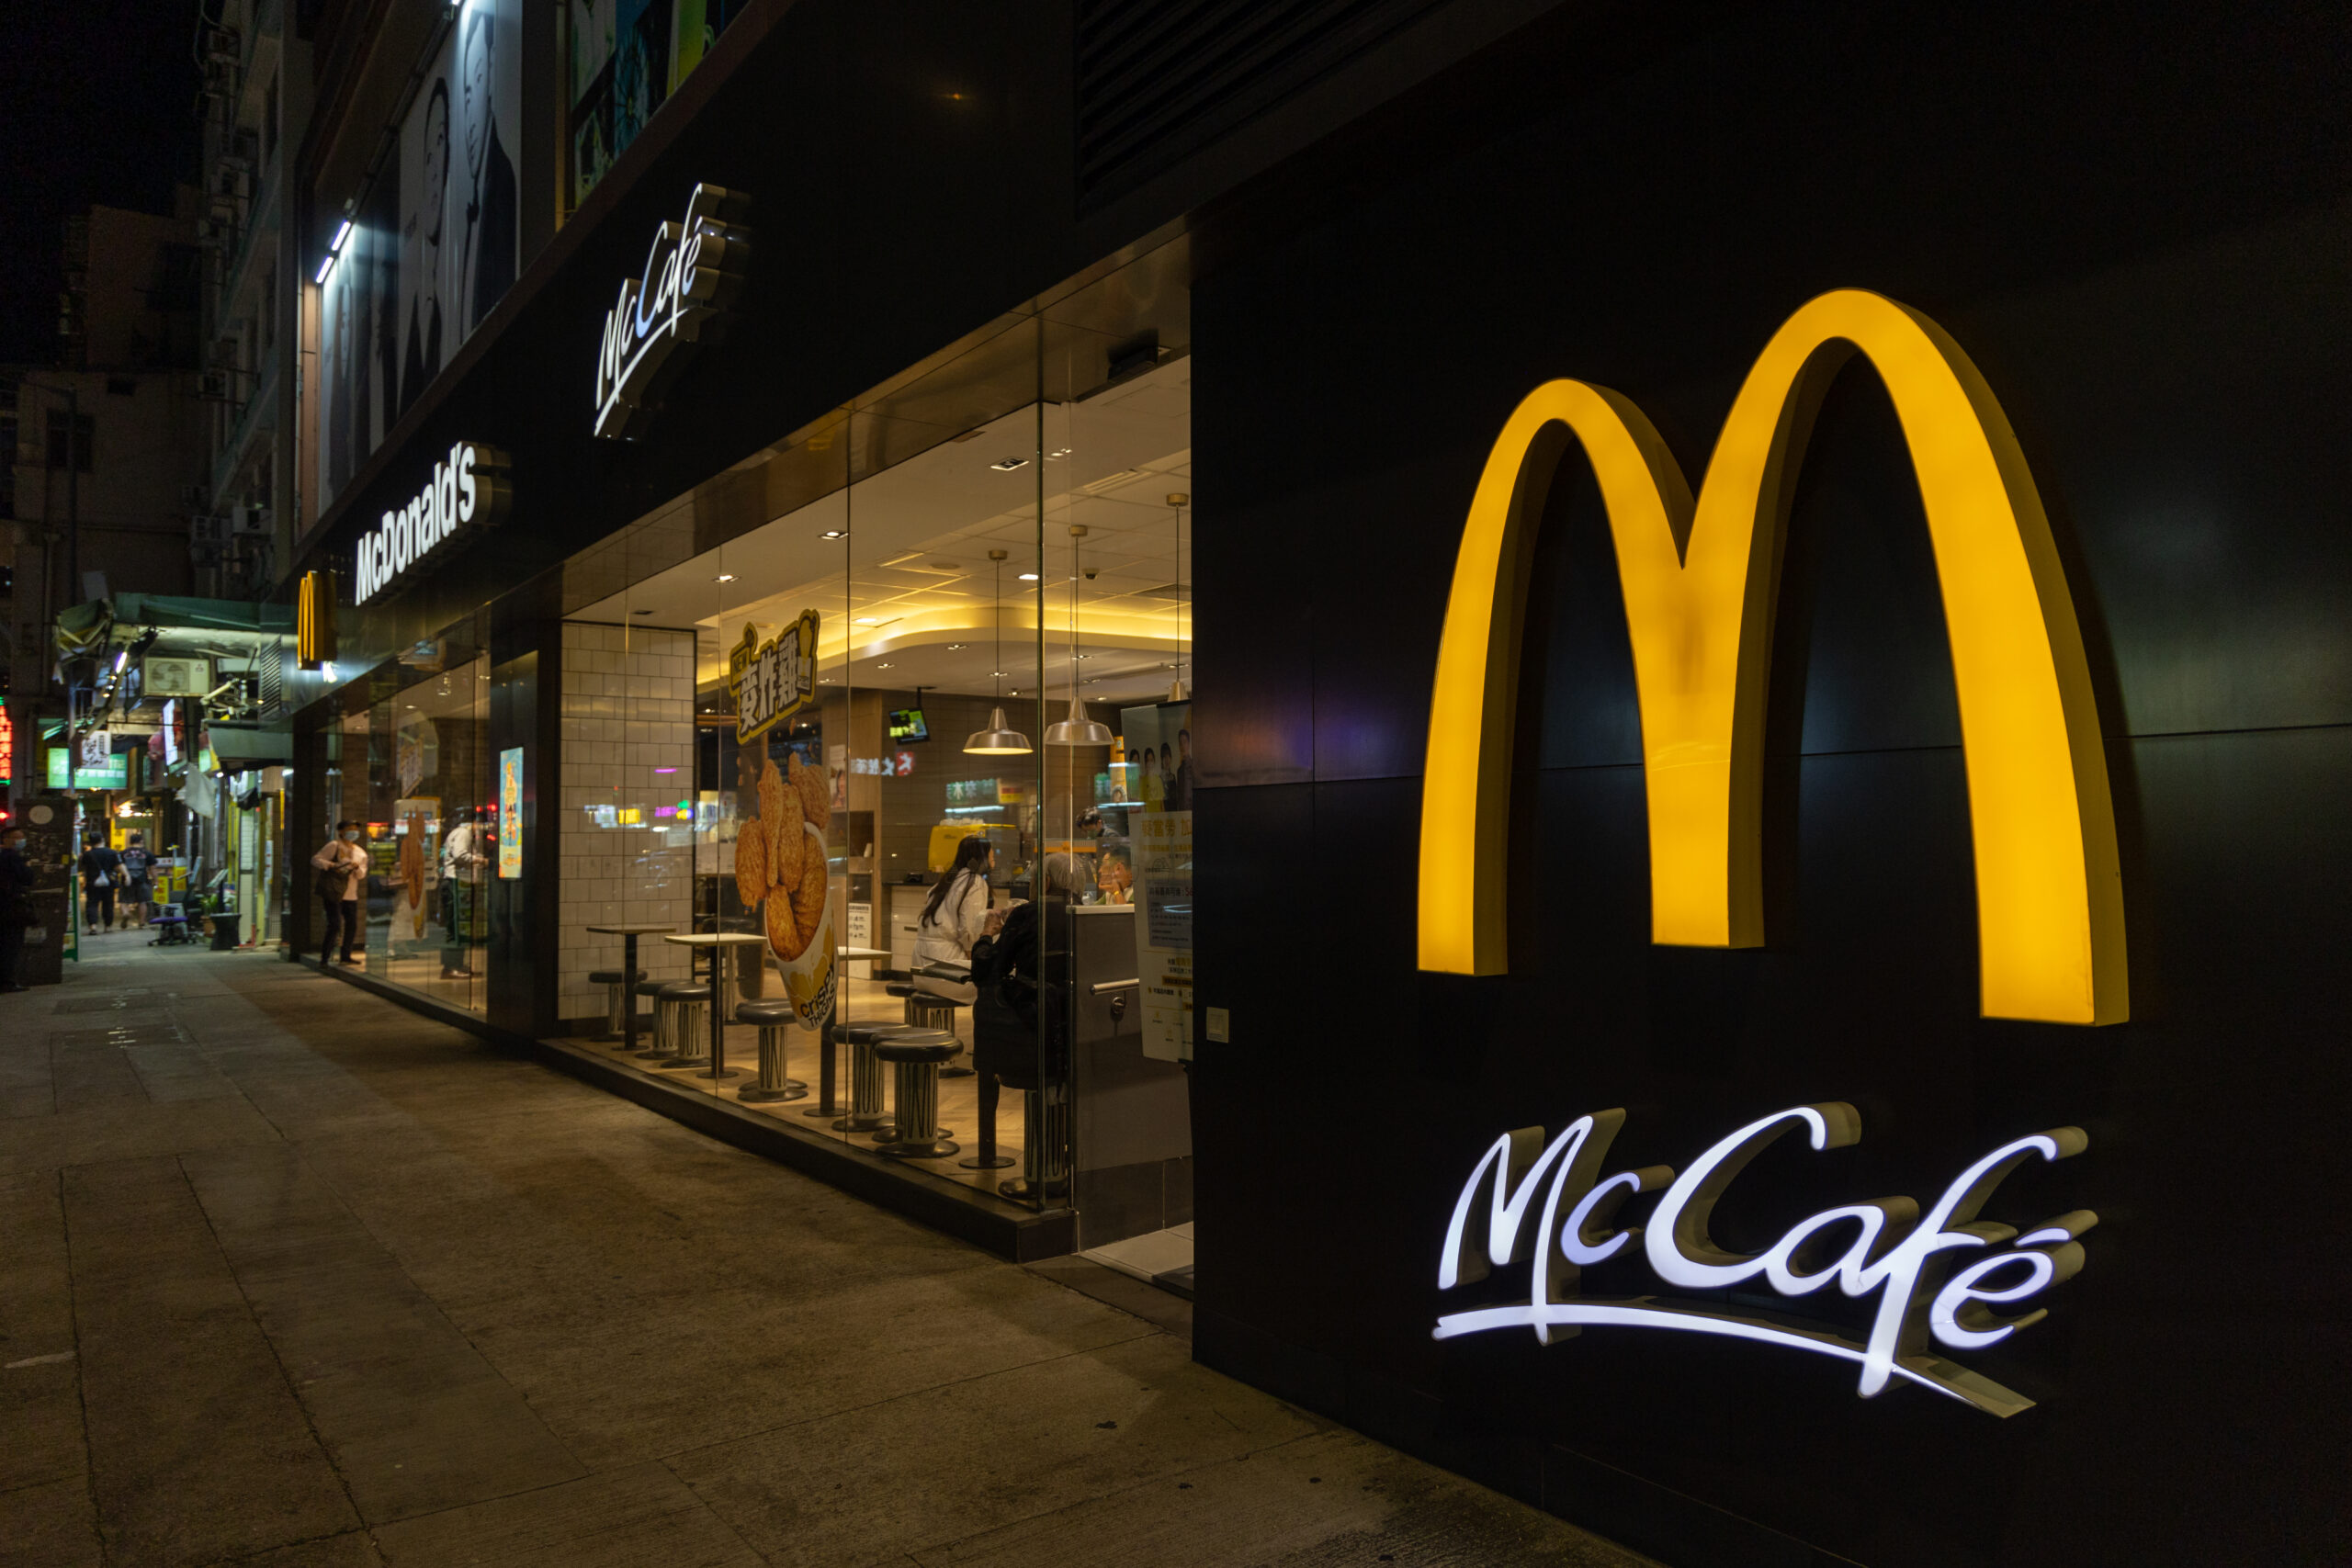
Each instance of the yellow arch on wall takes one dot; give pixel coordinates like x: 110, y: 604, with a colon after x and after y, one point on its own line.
x: 1701, y: 585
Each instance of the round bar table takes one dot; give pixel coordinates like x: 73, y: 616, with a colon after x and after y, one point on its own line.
x: 825, y: 1108
x: 628, y: 935
x: 718, y: 942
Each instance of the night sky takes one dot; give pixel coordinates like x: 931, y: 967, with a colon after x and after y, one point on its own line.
x: 100, y: 108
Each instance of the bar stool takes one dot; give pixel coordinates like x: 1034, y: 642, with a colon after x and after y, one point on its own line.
x: 928, y: 1010
x: 1045, y: 1131
x: 917, y: 1054
x: 773, y: 1018
x: 865, y: 1112
x: 662, y: 1018
x: 617, y: 984
x: 684, y: 1001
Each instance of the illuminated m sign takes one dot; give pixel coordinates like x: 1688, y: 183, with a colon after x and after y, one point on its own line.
x: 1700, y: 584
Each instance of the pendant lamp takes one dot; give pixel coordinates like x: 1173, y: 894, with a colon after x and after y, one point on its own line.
x: 1076, y: 729
x: 999, y: 739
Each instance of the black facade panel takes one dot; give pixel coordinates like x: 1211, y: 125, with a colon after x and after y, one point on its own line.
x: 1159, y: 80
x: 2140, y: 229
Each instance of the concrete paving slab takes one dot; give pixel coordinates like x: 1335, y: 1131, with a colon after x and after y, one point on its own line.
x: 875, y: 1484
x: 1324, y: 1501
x: 199, y: 1450
x: 356, y: 1550
x: 128, y: 1130
x: 623, y: 1518
x: 49, y: 1525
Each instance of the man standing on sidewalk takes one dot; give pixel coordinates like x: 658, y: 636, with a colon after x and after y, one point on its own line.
x: 341, y: 867
x: 463, y: 854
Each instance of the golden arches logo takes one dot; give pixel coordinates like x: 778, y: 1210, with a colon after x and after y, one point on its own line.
x: 1701, y: 583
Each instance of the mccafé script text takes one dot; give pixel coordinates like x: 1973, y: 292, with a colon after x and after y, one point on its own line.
x: 1944, y: 1275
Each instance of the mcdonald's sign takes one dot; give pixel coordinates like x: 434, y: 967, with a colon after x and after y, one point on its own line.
x: 315, y: 620
x: 1701, y: 583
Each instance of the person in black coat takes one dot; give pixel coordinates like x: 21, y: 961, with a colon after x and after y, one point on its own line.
x: 101, y: 875
x: 1021, y: 1018
x: 15, y: 905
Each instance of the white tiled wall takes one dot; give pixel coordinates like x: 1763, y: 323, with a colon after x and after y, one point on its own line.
x: 628, y: 710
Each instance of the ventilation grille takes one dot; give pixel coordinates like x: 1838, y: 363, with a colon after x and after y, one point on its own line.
x: 1159, y: 80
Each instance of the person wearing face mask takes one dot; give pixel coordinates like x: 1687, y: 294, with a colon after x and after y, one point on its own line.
x: 341, y: 867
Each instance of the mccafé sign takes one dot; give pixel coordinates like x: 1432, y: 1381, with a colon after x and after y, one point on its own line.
x: 1892, y: 1254
x: 468, y: 491
x: 692, y: 275
x: 1701, y: 579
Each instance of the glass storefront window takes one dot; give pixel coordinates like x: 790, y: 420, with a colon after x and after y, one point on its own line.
x: 839, y: 751
x: 412, y: 764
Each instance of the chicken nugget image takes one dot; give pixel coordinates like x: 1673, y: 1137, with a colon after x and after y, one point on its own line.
x: 815, y: 784
x: 783, y: 928
x: 782, y: 824
x: 772, y: 791
x: 752, y: 863
x: 809, y: 903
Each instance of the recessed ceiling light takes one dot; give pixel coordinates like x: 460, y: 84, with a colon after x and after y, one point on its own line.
x: 1006, y: 464
x: 954, y: 646
x: 997, y: 674
x: 1028, y: 577
x: 876, y: 620
x: 833, y: 534
x: 884, y: 665
x: 1052, y: 456
x: 1082, y: 656
x: 825, y: 679
x: 724, y: 576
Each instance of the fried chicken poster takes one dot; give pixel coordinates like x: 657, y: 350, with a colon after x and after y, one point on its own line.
x: 780, y: 871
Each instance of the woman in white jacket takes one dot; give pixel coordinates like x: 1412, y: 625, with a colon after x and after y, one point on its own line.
x: 953, y: 918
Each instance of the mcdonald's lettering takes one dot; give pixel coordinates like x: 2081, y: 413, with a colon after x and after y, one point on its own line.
x: 1701, y: 583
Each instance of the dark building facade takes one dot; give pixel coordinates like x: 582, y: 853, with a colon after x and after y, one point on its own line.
x: 2103, y: 262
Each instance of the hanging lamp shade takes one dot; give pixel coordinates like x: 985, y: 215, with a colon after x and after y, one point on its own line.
x: 999, y: 739
x: 1077, y: 729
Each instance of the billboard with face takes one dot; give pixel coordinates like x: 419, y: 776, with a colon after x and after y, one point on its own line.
x: 434, y: 247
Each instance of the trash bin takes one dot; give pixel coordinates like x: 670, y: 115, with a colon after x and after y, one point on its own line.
x: 224, y: 933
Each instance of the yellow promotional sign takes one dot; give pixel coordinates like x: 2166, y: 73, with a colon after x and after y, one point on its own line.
x: 1701, y: 583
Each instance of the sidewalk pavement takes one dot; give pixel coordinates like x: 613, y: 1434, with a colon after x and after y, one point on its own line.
x: 290, y: 1276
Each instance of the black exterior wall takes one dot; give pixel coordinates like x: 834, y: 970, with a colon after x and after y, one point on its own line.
x: 2139, y: 223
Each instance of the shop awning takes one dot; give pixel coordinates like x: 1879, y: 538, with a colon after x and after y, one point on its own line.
x: 238, y: 749
x: 85, y: 627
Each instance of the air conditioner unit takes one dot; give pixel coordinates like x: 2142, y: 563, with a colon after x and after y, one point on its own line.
x: 228, y: 179
x: 212, y: 387
x: 222, y: 43
x: 249, y: 520
x: 212, y: 532
x: 175, y: 677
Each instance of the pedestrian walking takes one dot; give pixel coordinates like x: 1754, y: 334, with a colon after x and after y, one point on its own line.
x: 15, y: 906
x: 341, y: 868
x: 138, y: 882
x: 101, y: 879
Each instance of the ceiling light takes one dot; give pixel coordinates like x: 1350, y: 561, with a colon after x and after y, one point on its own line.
x: 882, y: 666
x: 998, y: 739
x: 1053, y: 455
x: 825, y: 681
x: 997, y: 674
x: 954, y: 646
x: 724, y: 576
x: 640, y: 611
x: 1006, y: 464
x: 1082, y: 656
x: 876, y: 620
x: 1077, y: 729
x: 835, y: 533
x: 1028, y: 577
